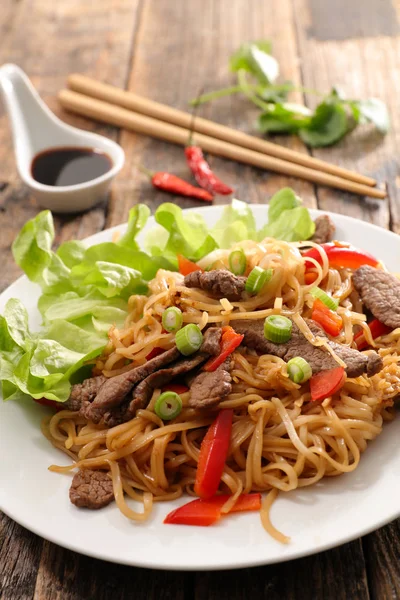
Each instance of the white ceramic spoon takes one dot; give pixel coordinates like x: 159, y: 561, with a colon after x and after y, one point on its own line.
x: 35, y: 128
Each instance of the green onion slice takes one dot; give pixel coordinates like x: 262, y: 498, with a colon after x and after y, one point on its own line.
x: 277, y: 329
x: 299, y: 370
x: 168, y: 406
x: 237, y: 262
x: 330, y: 302
x: 188, y: 339
x: 172, y: 319
x: 256, y: 280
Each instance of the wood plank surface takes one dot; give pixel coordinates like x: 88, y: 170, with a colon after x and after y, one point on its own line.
x: 170, y: 51
x: 200, y: 54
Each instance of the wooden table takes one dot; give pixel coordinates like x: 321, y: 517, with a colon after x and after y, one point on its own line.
x: 168, y: 50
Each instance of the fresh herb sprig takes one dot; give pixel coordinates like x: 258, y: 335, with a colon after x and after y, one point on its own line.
x: 335, y: 116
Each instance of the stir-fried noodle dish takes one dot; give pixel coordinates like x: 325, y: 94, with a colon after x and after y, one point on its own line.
x: 256, y: 370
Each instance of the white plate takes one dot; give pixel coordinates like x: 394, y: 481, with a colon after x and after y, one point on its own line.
x: 328, y: 514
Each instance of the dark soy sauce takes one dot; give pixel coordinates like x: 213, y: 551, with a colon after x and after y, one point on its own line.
x: 69, y: 166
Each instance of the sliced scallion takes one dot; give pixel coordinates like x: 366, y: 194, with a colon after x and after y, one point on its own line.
x: 172, y: 319
x: 237, y: 262
x: 330, y: 302
x: 188, y: 339
x: 168, y: 406
x: 277, y: 329
x: 256, y: 280
x: 299, y: 370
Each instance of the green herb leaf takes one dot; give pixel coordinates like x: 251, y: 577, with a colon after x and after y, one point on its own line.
x: 255, y: 58
x: 373, y: 111
x: 284, y: 118
x: 328, y: 125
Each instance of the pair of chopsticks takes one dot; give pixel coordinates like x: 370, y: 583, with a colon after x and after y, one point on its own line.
x: 115, y: 106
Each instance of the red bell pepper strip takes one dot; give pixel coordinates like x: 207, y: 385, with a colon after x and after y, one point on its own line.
x: 310, y: 277
x: 341, y: 257
x: 178, y: 388
x: 230, y: 340
x: 213, y: 453
x: 330, y: 321
x: 377, y: 329
x: 206, y: 512
x: 155, y: 352
x: 327, y: 383
x: 186, y: 266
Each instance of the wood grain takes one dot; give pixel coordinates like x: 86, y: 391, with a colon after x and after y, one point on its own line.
x: 65, y: 575
x: 382, y: 550
x: 369, y: 18
x: 19, y: 560
x: 338, y: 574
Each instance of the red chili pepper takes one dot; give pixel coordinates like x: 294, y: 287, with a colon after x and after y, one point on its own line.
x: 340, y: 256
x: 178, y: 388
x: 175, y: 185
x: 206, y: 512
x: 203, y: 173
x: 229, y: 342
x: 155, y: 352
x: 327, y: 383
x: 377, y: 329
x: 186, y: 266
x: 50, y: 403
x: 330, y: 321
x: 213, y: 453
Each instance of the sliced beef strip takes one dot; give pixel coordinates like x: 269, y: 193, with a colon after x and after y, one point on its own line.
x: 380, y: 293
x: 91, y: 489
x: 211, y: 341
x: 115, y: 389
x: 208, y: 388
x: 324, y: 229
x: 84, y: 393
x: 218, y: 283
x: 318, y: 358
x: 143, y: 391
x: 356, y: 362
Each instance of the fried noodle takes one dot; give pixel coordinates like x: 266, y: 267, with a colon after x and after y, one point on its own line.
x: 280, y: 440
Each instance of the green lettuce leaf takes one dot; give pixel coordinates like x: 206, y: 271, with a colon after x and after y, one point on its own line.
x: 292, y: 226
x: 237, y: 223
x: 138, y: 216
x: 188, y: 234
x: 285, y: 199
x: 71, y: 253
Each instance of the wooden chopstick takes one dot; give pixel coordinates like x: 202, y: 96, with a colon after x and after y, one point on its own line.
x: 128, y: 119
x: 113, y: 95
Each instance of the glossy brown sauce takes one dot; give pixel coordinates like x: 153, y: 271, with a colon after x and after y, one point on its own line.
x: 69, y: 165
